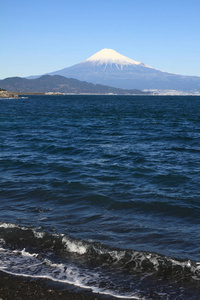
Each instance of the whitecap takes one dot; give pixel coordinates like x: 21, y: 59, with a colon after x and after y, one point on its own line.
x: 74, y: 246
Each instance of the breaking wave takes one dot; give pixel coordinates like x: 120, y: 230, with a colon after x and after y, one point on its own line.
x: 119, y: 272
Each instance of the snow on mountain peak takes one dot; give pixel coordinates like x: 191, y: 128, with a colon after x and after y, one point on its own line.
x: 110, y: 56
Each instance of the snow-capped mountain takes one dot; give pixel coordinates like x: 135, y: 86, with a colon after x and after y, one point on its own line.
x: 110, y: 56
x: 108, y: 67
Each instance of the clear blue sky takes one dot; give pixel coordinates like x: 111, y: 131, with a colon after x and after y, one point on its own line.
x: 41, y: 36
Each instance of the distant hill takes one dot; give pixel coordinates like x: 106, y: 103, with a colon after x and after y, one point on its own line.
x: 59, y: 84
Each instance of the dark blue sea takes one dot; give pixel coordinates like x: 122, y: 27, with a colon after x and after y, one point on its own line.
x: 102, y: 192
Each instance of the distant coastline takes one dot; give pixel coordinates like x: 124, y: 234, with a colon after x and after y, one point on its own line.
x: 61, y: 85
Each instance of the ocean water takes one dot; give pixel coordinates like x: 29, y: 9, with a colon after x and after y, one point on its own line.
x: 102, y: 192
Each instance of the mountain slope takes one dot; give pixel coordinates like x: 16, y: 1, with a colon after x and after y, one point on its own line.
x: 60, y: 84
x: 111, y: 68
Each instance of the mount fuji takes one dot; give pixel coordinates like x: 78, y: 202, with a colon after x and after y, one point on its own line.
x: 108, y: 67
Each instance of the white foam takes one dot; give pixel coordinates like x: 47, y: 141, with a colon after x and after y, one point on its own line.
x: 117, y: 255
x: 27, y: 254
x: 38, y: 234
x: 53, y: 265
x: 75, y: 247
x: 7, y: 225
x: 2, y: 241
x: 10, y: 225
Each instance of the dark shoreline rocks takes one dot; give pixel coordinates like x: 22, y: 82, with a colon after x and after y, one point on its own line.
x: 25, y: 288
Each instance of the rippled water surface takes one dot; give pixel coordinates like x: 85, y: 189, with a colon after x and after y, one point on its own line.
x: 103, y: 192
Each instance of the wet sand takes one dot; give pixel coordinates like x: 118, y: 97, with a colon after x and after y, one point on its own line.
x: 24, y: 288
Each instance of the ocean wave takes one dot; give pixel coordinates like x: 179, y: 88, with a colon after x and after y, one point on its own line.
x: 29, y: 243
